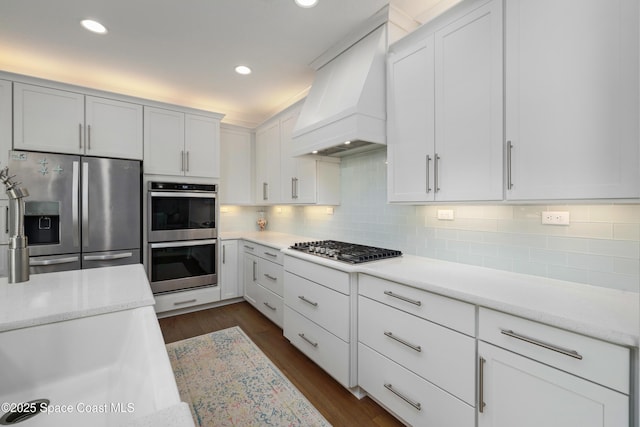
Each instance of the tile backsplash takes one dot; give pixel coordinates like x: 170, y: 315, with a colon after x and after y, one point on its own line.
x: 601, y: 246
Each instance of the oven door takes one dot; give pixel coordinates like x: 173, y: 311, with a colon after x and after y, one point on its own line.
x: 175, y: 215
x: 177, y: 266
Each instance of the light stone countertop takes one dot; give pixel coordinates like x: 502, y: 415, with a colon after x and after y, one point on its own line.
x: 55, y: 297
x: 607, y: 314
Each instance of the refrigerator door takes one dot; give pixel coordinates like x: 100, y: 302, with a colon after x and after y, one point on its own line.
x: 110, y: 258
x: 110, y: 209
x: 52, y: 208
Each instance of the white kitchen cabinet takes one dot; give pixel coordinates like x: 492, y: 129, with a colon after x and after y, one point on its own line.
x: 4, y: 223
x: 572, y: 99
x: 298, y: 173
x: 60, y: 121
x: 6, y: 123
x: 531, y: 374
x: 268, y: 174
x: 445, y: 109
x: 230, y: 284
x: 236, y: 166
x: 181, y: 144
x: 263, y: 280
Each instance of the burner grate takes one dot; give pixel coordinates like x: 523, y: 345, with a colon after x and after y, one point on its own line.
x: 346, y: 252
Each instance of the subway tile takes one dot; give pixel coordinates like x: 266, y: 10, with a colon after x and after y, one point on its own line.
x: 472, y: 236
x: 591, y: 230
x: 568, y: 244
x: 623, y: 282
x: 567, y: 273
x: 618, y: 248
x: 471, y: 259
x: 601, y: 213
x: 626, y: 232
x: 629, y: 214
x: 626, y: 266
x: 498, y: 211
x: 548, y: 256
x: 498, y: 263
x: 514, y: 252
x: 528, y: 267
x: 483, y: 249
x: 590, y: 262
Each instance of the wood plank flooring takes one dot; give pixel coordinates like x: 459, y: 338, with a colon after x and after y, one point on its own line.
x: 335, y: 403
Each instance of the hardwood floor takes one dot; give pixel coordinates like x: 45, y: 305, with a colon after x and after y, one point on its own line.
x: 337, y: 405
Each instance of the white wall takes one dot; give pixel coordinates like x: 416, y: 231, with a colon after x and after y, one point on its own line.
x: 601, y: 246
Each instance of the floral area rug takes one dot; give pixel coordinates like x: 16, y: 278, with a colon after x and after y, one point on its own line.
x: 228, y: 381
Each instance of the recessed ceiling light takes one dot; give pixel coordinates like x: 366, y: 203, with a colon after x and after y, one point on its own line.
x: 314, y: 152
x: 347, y: 142
x: 94, y: 26
x: 243, y: 69
x: 306, y: 3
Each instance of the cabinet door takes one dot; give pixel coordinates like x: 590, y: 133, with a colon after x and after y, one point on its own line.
x: 468, y: 107
x: 236, y: 167
x: 231, y: 285
x: 518, y: 391
x: 268, y: 164
x: 572, y: 99
x: 410, y: 123
x: 47, y: 119
x: 114, y: 128
x: 6, y: 124
x: 163, y: 141
x: 298, y: 173
x: 202, y: 146
x: 250, y: 267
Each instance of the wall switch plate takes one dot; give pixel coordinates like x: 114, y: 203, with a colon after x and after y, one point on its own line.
x: 555, y: 217
x: 446, y: 214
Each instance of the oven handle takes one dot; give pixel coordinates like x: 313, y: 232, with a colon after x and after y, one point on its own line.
x: 189, y: 195
x: 183, y: 243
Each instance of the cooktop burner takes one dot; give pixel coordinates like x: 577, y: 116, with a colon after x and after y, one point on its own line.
x: 345, y: 252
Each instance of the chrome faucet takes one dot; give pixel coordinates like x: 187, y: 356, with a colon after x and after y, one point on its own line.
x: 18, y: 252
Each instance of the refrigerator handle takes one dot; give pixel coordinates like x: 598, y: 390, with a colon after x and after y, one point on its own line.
x: 85, y: 204
x: 74, y: 204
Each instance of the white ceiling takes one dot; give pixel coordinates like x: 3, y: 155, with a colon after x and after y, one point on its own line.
x: 184, y: 51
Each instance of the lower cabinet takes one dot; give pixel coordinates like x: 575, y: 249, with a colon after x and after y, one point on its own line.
x: 230, y: 284
x: 263, y: 280
x: 172, y: 303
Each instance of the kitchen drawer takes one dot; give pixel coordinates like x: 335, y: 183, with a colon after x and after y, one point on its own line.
x: 436, y: 407
x: 263, y: 251
x: 442, y: 356
x: 324, y: 306
x: 325, y: 349
x: 329, y: 277
x: 451, y: 313
x: 184, y: 299
x: 603, y: 363
x: 268, y: 303
x: 270, y: 276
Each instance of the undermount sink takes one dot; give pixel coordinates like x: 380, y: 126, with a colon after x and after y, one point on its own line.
x: 102, y: 370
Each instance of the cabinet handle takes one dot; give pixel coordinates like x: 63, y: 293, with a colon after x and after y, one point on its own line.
x: 79, y: 135
x: 411, y: 402
x: 254, y: 271
x: 566, y: 352
x: 6, y: 220
x: 251, y: 248
x: 315, y: 344
x: 315, y: 304
x: 189, y: 301
x: 268, y: 276
x: 269, y: 306
x: 435, y: 173
x: 272, y: 255
x: 187, y: 155
x: 182, y: 160
x: 401, y: 341
x: 88, y: 137
x: 481, y: 403
x: 428, y: 170
x: 509, y: 180
x: 293, y: 188
x: 264, y: 191
x: 400, y: 297
x: 296, y: 193
x: 224, y: 253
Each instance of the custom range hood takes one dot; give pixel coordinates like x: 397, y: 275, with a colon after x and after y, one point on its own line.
x: 346, y: 102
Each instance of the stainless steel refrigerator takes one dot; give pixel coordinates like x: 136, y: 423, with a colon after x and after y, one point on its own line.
x: 82, y: 212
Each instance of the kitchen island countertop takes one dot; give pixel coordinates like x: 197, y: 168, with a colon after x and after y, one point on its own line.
x: 55, y: 297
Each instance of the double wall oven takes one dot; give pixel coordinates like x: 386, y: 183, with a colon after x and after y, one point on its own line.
x: 182, y: 235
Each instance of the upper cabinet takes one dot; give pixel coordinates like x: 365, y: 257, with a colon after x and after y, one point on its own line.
x: 445, y: 94
x: 236, y: 169
x: 181, y: 144
x: 572, y: 99
x: 268, y: 163
x: 60, y: 121
x: 5, y: 125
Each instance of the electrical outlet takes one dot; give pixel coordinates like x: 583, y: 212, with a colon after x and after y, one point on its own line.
x: 329, y: 211
x: 446, y: 214
x: 555, y: 218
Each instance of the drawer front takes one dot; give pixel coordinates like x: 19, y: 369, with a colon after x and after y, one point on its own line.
x: 184, y: 299
x: 451, y: 313
x: 333, y: 279
x: 325, y: 349
x: 442, y: 356
x: 436, y: 407
x: 266, y: 252
x: 250, y: 247
x: 601, y: 362
x: 270, y: 275
x: 324, y: 306
x: 268, y: 303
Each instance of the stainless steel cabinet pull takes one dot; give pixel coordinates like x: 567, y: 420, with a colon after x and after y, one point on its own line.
x: 509, y: 179
x: 85, y: 204
x: 435, y: 173
x: 187, y: 167
x: 108, y: 257
x: 251, y: 248
x: 79, y: 135
x: 293, y: 188
x: 224, y: 253
x: 39, y: 262
x: 189, y: 301
x: 413, y: 403
x: 272, y: 255
x: 315, y: 304
x: 254, y: 271
x: 481, y: 403
x: 296, y: 188
x: 268, y: 276
x: 264, y: 191
x: 89, y: 137
x: 315, y: 344
x: 428, y: 170
x: 400, y: 297
x: 75, y: 208
x: 401, y: 341
x: 269, y: 306
x: 566, y: 352
x: 6, y: 220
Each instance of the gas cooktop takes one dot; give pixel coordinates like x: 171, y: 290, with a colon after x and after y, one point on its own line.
x: 345, y: 252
